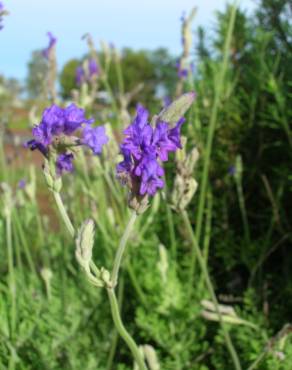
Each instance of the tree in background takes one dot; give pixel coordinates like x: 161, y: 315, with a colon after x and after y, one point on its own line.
x: 152, y: 69
x: 68, y: 78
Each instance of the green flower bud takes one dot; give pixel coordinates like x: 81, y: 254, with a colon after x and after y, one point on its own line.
x: 48, y: 176
x: 151, y: 357
x: 177, y: 109
x: 84, y: 244
x: 106, y: 277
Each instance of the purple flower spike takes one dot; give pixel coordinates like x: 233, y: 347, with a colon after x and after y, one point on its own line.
x: 142, y: 148
x: 166, y: 101
x: 64, y: 163
x: 94, y: 138
x: 53, y: 136
x: 231, y: 170
x: 21, y: 184
x: 181, y: 71
x: 52, y: 42
x: 80, y: 75
x: 93, y: 67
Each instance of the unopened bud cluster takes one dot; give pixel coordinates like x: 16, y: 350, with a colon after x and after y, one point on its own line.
x: 185, y: 185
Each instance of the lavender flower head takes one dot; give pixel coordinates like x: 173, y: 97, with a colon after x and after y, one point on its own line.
x: 144, y: 148
x: 79, y: 75
x: 52, y: 43
x: 87, y: 72
x: 21, y: 184
x: 182, y: 71
x: 53, y: 136
x: 93, y: 67
x: 231, y: 170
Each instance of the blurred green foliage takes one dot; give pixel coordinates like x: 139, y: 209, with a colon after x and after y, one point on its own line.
x: 246, y: 230
x: 68, y: 78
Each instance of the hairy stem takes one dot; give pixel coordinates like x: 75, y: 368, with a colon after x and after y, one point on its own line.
x: 122, y: 330
x: 11, y: 276
x: 121, y: 248
x: 64, y: 214
x: 111, y: 294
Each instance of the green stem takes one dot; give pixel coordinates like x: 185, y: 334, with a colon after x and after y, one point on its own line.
x: 115, y: 338
x: 24, y: 242
x: 111, y: 294
x: 11, y: 276
x: 3, y: 165
x: 243, y: 210
x: 207, y: 234
x: 64, y: 214
x: 171, y: 232
x: 255, y: 364
x: 122, y: 330
x: 209, y: 285
x: 121, y: 248
x: 212, y: 126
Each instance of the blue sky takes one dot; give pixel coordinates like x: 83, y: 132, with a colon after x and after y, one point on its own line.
x: 138, y: 24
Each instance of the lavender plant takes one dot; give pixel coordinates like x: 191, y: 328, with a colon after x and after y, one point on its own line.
x: 144, y: 148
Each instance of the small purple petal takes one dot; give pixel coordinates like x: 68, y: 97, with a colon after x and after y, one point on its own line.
x: 94, y: 138
x: 74, y: 118
x: 64, y: 163
x: 34, y: 144
x: 80, y: 75
x: 52, y: 42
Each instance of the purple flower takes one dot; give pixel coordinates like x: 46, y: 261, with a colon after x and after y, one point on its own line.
x: 52, y: 42
x: 182, y: 72
x: 64, y: 163
x: 80, y: 75
x: 93, y: 67
x: 56, y: 121
x: 74, y: 118
x: 166, y: 139
x: 139, y: 133
x: 52, y: 124
x: 166, y: 101
x: 231, y: 170
x: 21, y: 184
x: 142, y: 148
x: 34, y: 144
x: 94, y: 138
x: 56, y: 129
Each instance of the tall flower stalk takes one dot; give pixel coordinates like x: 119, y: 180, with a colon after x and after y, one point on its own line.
x: 145, y: 147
